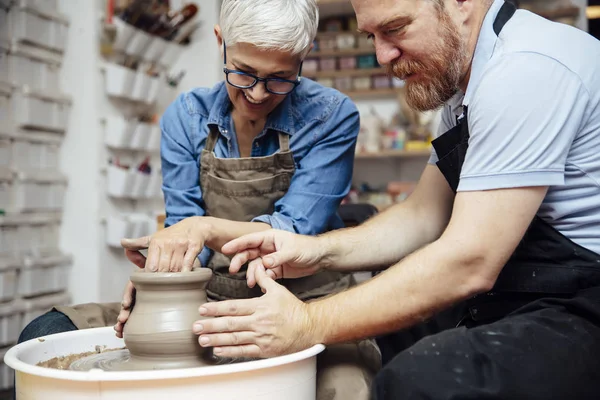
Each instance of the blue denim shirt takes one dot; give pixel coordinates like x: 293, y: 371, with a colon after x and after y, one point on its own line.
x: 323, y: 125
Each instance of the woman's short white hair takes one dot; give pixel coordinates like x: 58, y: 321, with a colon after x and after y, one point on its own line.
x: 285, y: 25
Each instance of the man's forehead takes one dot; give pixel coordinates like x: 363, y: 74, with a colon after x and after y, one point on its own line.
x: 371, y: 14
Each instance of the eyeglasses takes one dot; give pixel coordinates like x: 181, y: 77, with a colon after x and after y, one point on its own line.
x: 245, y: 80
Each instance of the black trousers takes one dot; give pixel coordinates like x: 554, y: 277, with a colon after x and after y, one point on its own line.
x: 506, y: 348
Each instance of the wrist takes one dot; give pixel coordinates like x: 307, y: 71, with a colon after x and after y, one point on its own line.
x: 315, y: 324
x: 326, y: 251
x: 204, y: 229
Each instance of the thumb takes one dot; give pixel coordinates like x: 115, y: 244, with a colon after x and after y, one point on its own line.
x: 136, y: 244
x: 263, y: 280
x: 277, y: 258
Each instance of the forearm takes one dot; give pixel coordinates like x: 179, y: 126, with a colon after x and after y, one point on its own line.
x: 411, y: 291
x: 383, y: 240
x: 220, y: 231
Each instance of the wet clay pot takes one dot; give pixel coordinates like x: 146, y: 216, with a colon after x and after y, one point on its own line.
x: 158, y: 333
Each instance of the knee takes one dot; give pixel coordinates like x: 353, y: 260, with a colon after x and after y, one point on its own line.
x: 47, y: 324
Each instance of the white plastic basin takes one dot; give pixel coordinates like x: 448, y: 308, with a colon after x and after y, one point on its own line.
x: 290, y: 377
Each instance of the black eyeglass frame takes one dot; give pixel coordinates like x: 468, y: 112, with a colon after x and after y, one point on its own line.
x: 257, y: 79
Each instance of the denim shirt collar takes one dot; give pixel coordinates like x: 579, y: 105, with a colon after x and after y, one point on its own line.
x: 281, y: 119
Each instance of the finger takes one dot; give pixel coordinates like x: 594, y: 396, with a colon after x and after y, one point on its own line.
x: 264, y: 281
x: 123, y: 316
x: 228, y: 308
x: 223, y: 324
x: 271, y: 273
x: 242, y: 258
x: 250, y: 279
x: 136, y: 258
x: 136, y: 244
x: 164, y: 261
x: 176, y: 263
x: 119, y: 329
x: 250, y: 241
x: 227, y: 339
x: 190, y: 259
x: 153, y: 257
x: 244, y: 351
x: 128, y: 295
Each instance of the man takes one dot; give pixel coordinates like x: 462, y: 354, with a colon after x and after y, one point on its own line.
x: 497, y: 248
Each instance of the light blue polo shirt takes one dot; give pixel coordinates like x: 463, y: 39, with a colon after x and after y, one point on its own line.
x: 534, y: 119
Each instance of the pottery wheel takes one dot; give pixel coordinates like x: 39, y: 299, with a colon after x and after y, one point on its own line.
x: 121, y: 360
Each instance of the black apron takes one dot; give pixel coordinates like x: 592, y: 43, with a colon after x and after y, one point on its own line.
x: 545, y: 263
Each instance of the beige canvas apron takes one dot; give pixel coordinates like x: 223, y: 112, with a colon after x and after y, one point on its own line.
x: 241, y: 189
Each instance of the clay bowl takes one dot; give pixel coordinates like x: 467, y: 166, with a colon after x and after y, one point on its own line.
x: 158, y: 333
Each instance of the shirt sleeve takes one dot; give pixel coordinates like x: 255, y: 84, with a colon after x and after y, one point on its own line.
x: 524, y: 116
x: 180, y: 168
x: 323, y: 177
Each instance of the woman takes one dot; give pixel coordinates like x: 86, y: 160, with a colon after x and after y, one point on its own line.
x: 262, y: 149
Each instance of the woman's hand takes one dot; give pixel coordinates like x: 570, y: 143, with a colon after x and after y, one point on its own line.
x: 172, y: 249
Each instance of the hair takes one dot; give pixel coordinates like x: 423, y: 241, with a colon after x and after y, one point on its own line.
x: 285, y: 25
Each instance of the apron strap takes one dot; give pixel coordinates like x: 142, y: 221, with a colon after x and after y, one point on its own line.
x: 211, y: 140
x: 284, y: 142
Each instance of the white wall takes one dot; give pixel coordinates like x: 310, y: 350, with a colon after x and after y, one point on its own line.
x: 100, y: 273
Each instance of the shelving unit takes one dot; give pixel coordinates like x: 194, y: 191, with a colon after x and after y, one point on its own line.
x: 34, y: 112
x: 399, y: 154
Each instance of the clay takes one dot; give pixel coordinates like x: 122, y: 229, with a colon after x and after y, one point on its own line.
x: 64, y: 362
x: 158, y: 332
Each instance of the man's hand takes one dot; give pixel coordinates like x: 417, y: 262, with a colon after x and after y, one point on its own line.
x: 272, y: 325
x: 282, y: 254
x: 172, y: 249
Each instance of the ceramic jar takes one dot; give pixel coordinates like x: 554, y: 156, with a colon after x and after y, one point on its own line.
x: 158, y: 332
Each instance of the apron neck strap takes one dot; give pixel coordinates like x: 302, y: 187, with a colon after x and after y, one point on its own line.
x: 213, y: 136
x: 284, y: 142
x: 506, y: 12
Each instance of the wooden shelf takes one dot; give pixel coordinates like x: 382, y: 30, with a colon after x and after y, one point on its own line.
x: 341, y: 53
x: 394, y: 154
x: 345, y: 73
x: 372, y: 94
x: 565, y: 12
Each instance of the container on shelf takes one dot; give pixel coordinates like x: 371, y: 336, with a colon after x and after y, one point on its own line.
x: 35, y: 152
x: 154, y: 138
x: 118, y: 132
x: 7, y: 374
x: 345, y: 41
x: 35, y: 68
x: 8, y: 276
x: 327, y: 64
x: 44, y: 275
x: 28, y: 24
x: 119, y: 81
x: 328, y: 82
x: 381, y: 81
x: 366, y: 61
x: 37, y: 191
x: 10, y: 323
x: 348, y: 62
x: 141, y: 136
x: 361, y: 83
x: 310, y: 66
x: 39, y: 110
x: 343, y: 83
x: 117, y: 228
x: 327, y: 43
